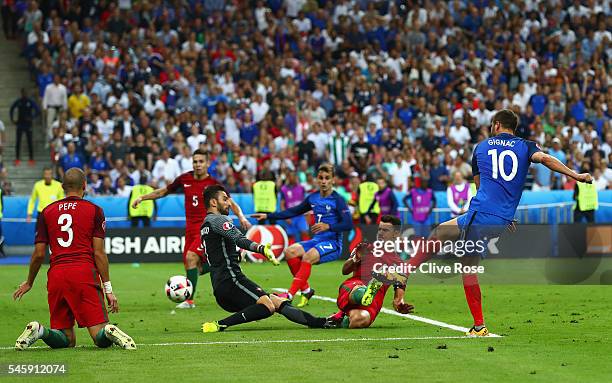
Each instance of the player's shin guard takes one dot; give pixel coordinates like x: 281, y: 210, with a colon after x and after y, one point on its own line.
x: 473, y: 297
x: 301, y: 278
x: 192, y: 275
x: 101, y: 340
x: 301, y: 317
x: 55, y: 338
x: 249, y: 314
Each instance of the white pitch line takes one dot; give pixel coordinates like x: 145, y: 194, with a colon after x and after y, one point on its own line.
x: 247, y: 342
x: 311, y: 340
x: 327, y: 299
x: 409, y: 316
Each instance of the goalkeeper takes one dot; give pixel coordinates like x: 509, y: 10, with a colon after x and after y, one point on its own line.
x: 233, y: 291
x: 358, y: 304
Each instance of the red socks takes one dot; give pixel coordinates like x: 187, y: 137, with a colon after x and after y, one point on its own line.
x: 473, y: 297
x: 300, y: 280
x: 294, y: 267
x: 470, y: 281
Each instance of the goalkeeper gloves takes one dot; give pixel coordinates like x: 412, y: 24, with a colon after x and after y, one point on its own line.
x: 266, y: 250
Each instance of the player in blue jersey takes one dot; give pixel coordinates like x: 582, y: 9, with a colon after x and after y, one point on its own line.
x: 332, y: 218
x: 499, y: 164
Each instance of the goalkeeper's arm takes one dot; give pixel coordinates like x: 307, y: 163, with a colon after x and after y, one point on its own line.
x: 224, y: 227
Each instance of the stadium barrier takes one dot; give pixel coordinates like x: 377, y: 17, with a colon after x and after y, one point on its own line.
x: 553, y: 207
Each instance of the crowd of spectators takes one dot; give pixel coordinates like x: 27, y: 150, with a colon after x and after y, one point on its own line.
x: 399, y: 88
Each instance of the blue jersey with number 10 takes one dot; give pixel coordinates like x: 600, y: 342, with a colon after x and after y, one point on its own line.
x: 502, y: 162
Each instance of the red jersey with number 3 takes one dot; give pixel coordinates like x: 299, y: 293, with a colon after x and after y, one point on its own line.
x: 195, y: 212
x: 68, y: 226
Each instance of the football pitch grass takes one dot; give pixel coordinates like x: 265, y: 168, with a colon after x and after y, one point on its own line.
x: 551, y: 333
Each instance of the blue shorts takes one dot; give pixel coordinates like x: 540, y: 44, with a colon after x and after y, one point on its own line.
x: 476, y: 225
x: 479, y: 226
x: 298, y: 225
x: 328, y: 250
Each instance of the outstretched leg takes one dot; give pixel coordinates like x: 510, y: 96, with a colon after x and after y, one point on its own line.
x: 296, y: 315
x: 446, y: 231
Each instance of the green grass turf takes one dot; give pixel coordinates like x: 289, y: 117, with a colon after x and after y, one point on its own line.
x: 551, y: 333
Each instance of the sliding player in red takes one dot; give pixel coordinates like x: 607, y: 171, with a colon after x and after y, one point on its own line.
x: 193, y: 184
x: 73, y: 228
x: 499, y: 164
x: 332, y: 218
x: 353, y: 313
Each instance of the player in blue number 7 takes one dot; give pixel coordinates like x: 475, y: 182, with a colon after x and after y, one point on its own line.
x: 332, y: 218
x: 499, y: 164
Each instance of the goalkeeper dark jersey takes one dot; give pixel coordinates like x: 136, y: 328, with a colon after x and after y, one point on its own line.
x: 220, y: 238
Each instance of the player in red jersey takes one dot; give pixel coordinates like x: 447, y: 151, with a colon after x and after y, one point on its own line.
x: 193, y: 184
x: 354, y: 312
x: 73, y: 228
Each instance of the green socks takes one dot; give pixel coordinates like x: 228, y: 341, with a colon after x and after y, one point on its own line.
x: 357, y: 294
x: 346, y: 322
x: 192, y: 275
x: 101, y: 340
x: 55, y: 338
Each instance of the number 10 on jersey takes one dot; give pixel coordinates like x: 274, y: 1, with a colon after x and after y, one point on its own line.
x: 498, y: 164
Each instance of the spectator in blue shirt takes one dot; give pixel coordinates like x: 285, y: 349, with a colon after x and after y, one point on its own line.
x: 249, y: 132
x: 70, y: 160
x: 291, y: 119
x: 599, y: 120
x: 559, y: 154
x: 577, y: 109
x: 438, y: 174
x: 317, y: 42
x: 374, y: 135
x: 542, y: 178
x: 98, y: 162
x: 44, y: 78
x: 538, y: 102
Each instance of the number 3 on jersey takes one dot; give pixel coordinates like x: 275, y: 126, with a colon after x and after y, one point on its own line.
x: 65, y: 220
x: 498, y: 164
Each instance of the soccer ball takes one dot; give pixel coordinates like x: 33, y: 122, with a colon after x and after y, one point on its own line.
x: 179, y: 288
